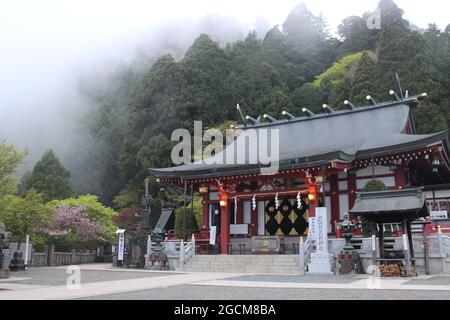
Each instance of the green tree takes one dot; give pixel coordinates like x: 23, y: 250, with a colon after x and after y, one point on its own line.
x: 296, y: 64
x: 29, y: 215
x: 375, y: 185
x: 50, y: 178
x: 10, y: 159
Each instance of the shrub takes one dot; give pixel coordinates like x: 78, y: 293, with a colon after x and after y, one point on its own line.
x: 185, y: 222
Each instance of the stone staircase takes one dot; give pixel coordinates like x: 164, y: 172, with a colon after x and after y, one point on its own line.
x: 271, y: 264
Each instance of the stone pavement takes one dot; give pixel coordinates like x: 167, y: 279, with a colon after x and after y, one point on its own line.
x: 103, y: 281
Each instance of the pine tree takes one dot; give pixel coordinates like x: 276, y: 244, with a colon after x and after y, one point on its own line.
x: 50, y: 178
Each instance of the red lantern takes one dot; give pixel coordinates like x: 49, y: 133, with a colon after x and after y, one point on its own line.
x: 223, y: 199
x: 312, y: 193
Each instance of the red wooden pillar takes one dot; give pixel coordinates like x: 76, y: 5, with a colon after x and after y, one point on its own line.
x: 205, y: 211
x: 334, y: 197
x: 224, y: 228
x: 352, y: 189
x: 400, y: 179
x: 312, y: 200
x: 254, y: 221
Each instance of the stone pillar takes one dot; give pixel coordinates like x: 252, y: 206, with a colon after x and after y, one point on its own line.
x: 193, y: 245
x: 51, y: 252
x: 182, y: 254
x: 321, y: 261
x: 73, y: 259
x: 301, y: 258
x: 442, y: 253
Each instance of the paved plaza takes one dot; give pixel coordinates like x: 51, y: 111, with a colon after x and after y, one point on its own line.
x: 103, y: 282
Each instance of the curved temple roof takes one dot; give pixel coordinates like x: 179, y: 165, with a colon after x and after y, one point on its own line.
x: 310, y: 141
x: 391, y: 206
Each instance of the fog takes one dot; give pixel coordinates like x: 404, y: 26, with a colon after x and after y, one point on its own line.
x: 47, y: 45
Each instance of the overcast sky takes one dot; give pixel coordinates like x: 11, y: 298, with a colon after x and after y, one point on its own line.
x: 45, y: 44
x: 52, y: 36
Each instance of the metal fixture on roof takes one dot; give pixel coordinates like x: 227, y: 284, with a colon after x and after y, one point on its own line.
x: 287, y: 114
x: 327, y: 108
x: 394, y: 95
x: 242, y: 116
x: 422, y: 96
x: 253, y: 120
x: 372, y: 101
x: 350, y: 105
x: 270, y: 118
x: 308, y: 112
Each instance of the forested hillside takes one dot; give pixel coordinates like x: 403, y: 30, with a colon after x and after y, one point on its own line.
x: 299, y: 63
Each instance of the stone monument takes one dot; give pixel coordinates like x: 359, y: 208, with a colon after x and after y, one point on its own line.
x: 322, y: 262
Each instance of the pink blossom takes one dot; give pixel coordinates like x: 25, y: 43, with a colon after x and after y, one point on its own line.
x: 76, y: 222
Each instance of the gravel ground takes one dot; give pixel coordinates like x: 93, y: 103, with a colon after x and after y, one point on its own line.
x: 58, y: 276
x: 435, y: 281
x: 191, y: 292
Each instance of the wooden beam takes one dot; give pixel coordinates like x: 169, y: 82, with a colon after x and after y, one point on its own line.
x: 381, y: 239
x: 224, y: 228
x: 410, y: 239
x: 334, y: 199
x: 205, y: 211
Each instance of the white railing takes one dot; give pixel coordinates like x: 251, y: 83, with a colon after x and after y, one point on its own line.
x: 176, y: 248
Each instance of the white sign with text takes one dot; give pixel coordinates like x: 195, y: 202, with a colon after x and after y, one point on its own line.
x: 322, y: 230
x: 212, y: 235
x: 438, y: 214
x: 121, y: 246
x: 313, y: 228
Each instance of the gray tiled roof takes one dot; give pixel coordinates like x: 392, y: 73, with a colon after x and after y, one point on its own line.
x: 310, y: 141
x: 391, y: 206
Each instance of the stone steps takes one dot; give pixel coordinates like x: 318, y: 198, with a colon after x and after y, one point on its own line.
x: 272, y: 264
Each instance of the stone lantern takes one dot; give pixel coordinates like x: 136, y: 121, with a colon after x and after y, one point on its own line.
x: 347, y: 228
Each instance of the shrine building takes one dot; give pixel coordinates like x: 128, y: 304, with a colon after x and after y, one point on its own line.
x: 324, y: 160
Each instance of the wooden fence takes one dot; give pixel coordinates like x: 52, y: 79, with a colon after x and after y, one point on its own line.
x: 51, y: 258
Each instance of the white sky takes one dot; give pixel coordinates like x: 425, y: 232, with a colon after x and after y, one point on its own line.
x: 43, y: 43
x: 61, y: 31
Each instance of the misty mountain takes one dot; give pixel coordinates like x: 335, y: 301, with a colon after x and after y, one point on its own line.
x: 108, y: 117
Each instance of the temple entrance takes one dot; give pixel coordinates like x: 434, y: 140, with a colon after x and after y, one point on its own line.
x: 286, y: 219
